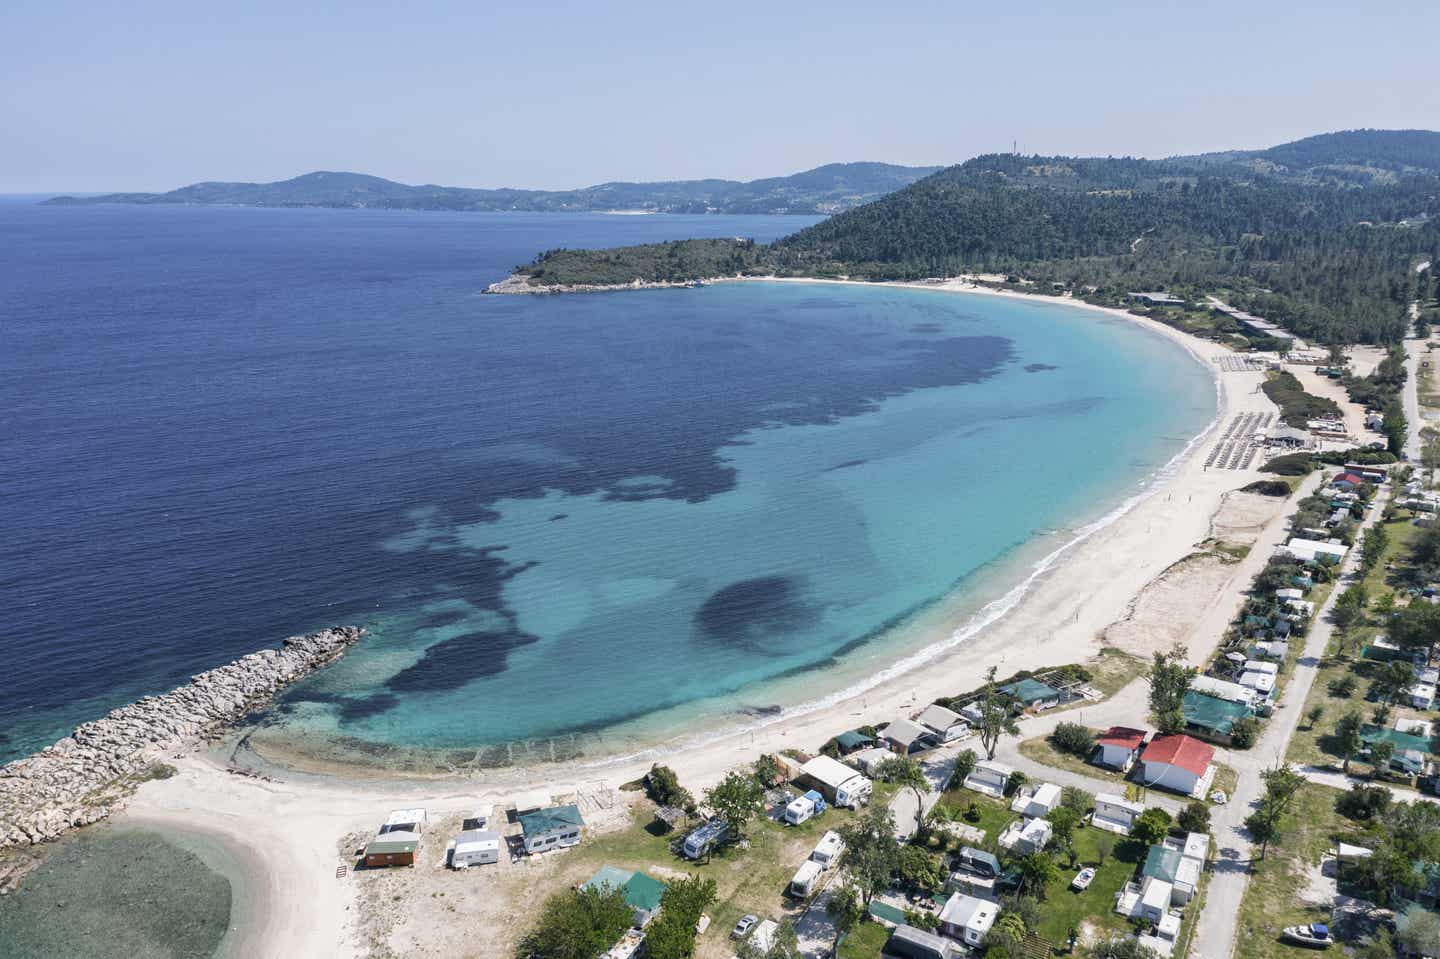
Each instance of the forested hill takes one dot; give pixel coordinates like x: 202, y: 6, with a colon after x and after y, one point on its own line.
x: 827, y: 189
x: 1321, y: 235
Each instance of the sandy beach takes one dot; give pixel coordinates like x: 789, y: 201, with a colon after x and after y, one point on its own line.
x: 296, y: 829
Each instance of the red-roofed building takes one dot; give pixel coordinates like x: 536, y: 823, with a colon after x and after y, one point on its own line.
x: 1118, y: 747
x: 1347, y: 479
x: 1181, y: 763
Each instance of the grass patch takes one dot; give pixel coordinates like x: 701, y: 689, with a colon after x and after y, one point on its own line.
x: 1041, y: 751
x: 864, y: 941
x: 1272, y: 897
x: 1065, y: 909
x: 1111, y: 670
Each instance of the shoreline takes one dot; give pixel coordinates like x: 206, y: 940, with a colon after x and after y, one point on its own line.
x: 942, y: 629
x: 293, y: 829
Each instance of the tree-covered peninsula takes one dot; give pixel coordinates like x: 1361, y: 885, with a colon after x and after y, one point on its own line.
x: 1321, y: 235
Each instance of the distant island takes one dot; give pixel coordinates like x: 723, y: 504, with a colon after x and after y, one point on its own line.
x: 828, y: 189
x: 1323, y: 236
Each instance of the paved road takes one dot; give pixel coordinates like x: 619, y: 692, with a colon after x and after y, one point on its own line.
x: 1215, y: 932
x: 1410, y: 397
x: 939, y: 766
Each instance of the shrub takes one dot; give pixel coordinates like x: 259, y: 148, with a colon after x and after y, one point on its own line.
x: 1268, y: 487
x: 1016, y: 780
x: 1363, y: 803
x: 1289, y: 464
x: 1244, y: 733
x: 1344, y: 687
x: 1195, y: 817
x: 1151, y: 826
x: 1073, y: 738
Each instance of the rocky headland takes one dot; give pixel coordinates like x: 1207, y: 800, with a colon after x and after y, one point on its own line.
x: 520, y: 283
x: 86, y: 776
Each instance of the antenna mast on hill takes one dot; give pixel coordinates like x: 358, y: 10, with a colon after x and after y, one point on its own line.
x: 1015, y: 147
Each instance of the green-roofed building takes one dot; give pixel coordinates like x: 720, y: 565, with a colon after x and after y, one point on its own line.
x: 1211, y: 716
x: 391, y: 849
x: 555, y: 828
x: 1162, y: 862
x: 642, y: 893
x: 1402, y: 741
x: 1032, y: 692
x: 852, y: 740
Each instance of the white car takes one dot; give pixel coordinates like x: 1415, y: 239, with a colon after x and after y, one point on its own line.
x: 743, y: 927
x: 1083, y: 879
x: 1218, y: 797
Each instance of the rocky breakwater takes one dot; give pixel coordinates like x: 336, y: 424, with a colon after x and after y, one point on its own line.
x: 88, y: 774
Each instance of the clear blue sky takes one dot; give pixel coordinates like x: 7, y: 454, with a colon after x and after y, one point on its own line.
x: 154, y: 95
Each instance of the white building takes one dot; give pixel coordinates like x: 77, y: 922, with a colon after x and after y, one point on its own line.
x: 1422, y: 696
x: 1180, y: 763
x: 989, y: 777
x: 1027, y: 836
x: 404, y: 820
x: 968, y: 919
x: 1119, y: 747
x: 1037, y: 802
x: 1314, y: 550
x: 1115, y: 813
x: 904, y: 737
x: 1262, y: 683
x: 869, y: 760
x: 837, y: 782
x: 1149, y: 901
x: 475, y: 847
x: 948, y: 725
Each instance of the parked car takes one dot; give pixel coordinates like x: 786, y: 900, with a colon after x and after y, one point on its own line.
x: 1083, y: 879
x: 743, y: 927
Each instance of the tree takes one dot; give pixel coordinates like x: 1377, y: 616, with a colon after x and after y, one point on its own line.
x: 664, y: 789
x: 920, y: 870
x: 1014, y: 781
x: 907, y: 773
x: 845, y: 912
x: 1011, y: 925
x: 995, y: 718
x: 1363, y: 803
x: 1348, y: 741
x: 1104, y: 846
x: 1282, y: 785
x: 672, y: 935
x: 1314, y: 715
x: 1037, y: 871
x: 1073, y: 738
x: 1063, y: 821
x: 1151, y: 826
x: 1417, y: 628
x: 1377, y: 540
x: 1195, y: 817
x: 1169, y: 679
x: 872, y: 853
x: 1244, y: 731
x: 964, y: 766
x: 577, y: 924
x: 1418, y: 930
x: 1381, y: 752
x: 768, y: 770
x: 1391, y: 681
x: 1394, y: 427
x: 1073, y: 797
x: 737, y: 799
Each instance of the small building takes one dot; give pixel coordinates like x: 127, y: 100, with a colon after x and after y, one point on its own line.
x: 1118, y: 747
x: 868, y: 760
x: 475, y: 847
x: 1033, y: 694
x: 905, y: 737
x: 1262, y: 683
x: 1024, y: 836
x: 1180, y: 763
x: 1222, y: 689
x: 1156, y: 299
x: 967, y: 918
x: 1115, y: 813
x: 1422, y: 695
x: 978, y: 861
x: 1314, y: 551
x: 836, y: 782
x: 558, y: 827
x: 1150, y: 901
x: 1271, y: 648
x: 479, y: 818
x: 1182, y: 874
x: 1037, y: 802
x: 907, y: 942
x: 642, y: 893
x: 852, y: 740
x: 1212, y: 717
x: 947, y: 725
x: 989, y: 777
x: 404, y: 820
x: 391, y: 849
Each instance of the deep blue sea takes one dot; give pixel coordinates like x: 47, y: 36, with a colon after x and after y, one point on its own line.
x: 219, y: 427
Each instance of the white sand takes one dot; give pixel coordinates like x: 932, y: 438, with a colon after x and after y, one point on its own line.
x: 295, y: 827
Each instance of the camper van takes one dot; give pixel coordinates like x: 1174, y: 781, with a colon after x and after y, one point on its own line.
x: 700, y: 842
x: 828, y: 849
x: 805, y: 808
x: 475, y: 847
x: 805, y: 878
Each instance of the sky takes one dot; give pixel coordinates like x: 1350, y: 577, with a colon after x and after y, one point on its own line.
x: 155, y: 94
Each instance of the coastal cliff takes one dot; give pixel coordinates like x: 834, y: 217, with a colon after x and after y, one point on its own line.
x: 86, y: 776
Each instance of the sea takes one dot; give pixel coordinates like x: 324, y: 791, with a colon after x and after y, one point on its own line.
x: 572, y: 525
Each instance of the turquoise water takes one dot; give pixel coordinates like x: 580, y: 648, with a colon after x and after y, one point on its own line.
x: 111, y: 892
x: 839, y: 531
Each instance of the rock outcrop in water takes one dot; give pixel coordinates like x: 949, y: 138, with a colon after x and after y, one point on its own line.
x: 83, y: 777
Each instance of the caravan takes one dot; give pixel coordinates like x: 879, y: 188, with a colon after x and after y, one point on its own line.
x: 704, y: 839
x: 805, y: 878
x: 804, y: 808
